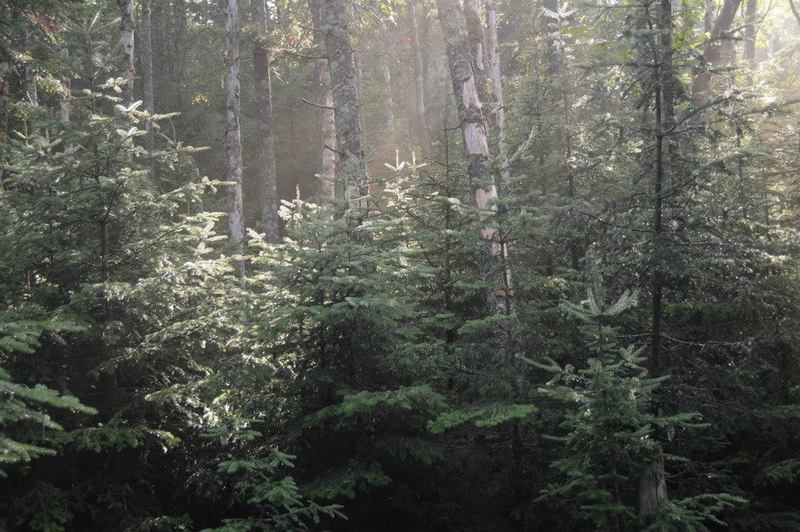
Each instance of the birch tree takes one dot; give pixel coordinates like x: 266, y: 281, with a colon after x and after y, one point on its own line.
x: 476, y: 150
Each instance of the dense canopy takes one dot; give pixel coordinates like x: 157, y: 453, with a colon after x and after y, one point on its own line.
x: 399, y: 265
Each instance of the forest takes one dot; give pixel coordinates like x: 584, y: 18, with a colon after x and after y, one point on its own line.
x: 399, y: 265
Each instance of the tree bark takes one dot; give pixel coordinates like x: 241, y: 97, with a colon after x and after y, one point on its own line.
x: 496, y: 77
x: 750, y: 35
x: 128, y: 68
x: 233, y: 140
x: 64, y: 105
x: 476, y: 150
x: 146, y: 59
x: 713, y: 51
x: 419, y: 82
x: 477, y: 48
x: 388, y: 103
x: 337, y: 20
x: 326, y: 126
x: 652, y: 491
x: 267, y: 179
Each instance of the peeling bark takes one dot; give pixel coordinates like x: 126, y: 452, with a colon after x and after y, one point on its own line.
x: 496, y: 77
x: 473, y: 128
x: 476, y: 40
x: 267, y: 178
x: 233, y: 140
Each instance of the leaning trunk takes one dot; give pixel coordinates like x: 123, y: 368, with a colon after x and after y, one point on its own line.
x: 267, y: 180
x: 233, y: 141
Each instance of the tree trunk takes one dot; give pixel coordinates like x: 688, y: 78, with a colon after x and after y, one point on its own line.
x: 146, y: 60
x: 476, y: 41
x: 388, y: 103
x: 337, y: 20
x: 326, y: 126
x: 267, y: 180
x: 652, y: 491
x: 419, y: 82
x: 750, y: 35
x: 64, y: 106
x: 233, y: 140
x: 713, y: 51
x: 128, y: 68
x: 496, y: 76
x: 476, y: 149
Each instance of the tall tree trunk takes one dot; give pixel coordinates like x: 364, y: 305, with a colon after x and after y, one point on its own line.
x: 652, y: 490
x: 419, y: 82
x: 388, y: 101
x: 5, y: 67
x: 477, y: 49
x: 712, y: 51
x: 496, y: 76
x: 326, y: 122
x: 233, y: 140
x: 146, y: 60
x: 476, y: 149
x: 267, y: 180
x: 64, y: 105
x: 337, y: 20
x: 128, y: 68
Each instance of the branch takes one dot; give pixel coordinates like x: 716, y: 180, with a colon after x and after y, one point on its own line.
x: 794, y: 10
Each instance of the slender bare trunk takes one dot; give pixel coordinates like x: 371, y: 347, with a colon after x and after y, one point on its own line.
x: 267, y: 179
x: 496, y: 77
x: 128, y: 68
x: 4, y: 98
x: 337, y: 20
x: 233, y: 140
x: 750, y: 35
x: 419, y: 83
x: 476, y: 149
x: 388, y: 101
x: 326, y: 126
x: 64, y: 105
x: 146, y: 59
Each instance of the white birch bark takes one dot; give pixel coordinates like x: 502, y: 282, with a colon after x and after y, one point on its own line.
x: 476, y: 149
